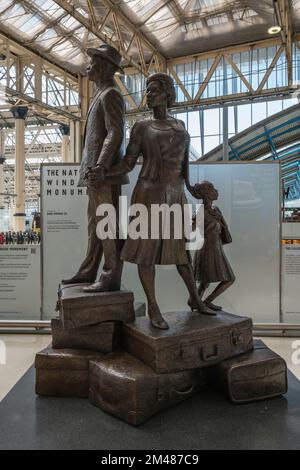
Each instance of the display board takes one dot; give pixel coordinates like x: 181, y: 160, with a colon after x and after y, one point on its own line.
x: 249, y: 196
x: 20, y: 282
x: 64, y: 234
x: 250, y: 199
x: 291, y: 275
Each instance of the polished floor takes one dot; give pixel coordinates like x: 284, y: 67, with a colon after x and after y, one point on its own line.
x: 17, y: 354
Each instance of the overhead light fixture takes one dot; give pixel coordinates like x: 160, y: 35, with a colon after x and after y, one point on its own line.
x: 274, y: 30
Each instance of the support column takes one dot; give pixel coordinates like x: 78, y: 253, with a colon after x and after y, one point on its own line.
x: 2, y: 189
x: 225, y: 134
x: 225, y: 114
x: 72, y: 141
x: 65, y: 145
x: 19, y: 114
x: 78, y: 144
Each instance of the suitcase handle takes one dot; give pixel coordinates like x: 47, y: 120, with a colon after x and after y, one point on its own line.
x: 209, y: 358
x: 182, y: 393
x: 164, y: 395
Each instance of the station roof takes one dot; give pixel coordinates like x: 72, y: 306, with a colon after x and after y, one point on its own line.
x: 61, y: 30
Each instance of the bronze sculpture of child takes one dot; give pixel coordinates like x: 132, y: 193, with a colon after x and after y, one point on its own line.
x: 210, y: 262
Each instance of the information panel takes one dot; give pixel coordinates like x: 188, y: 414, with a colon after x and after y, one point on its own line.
x: 291, y: 280
x: 20, y: 286
x: 64, y: 228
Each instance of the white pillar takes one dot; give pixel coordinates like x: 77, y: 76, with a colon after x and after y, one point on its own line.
x: 65, y: 144
x: 19, y: 114
x: 2, y: 189
x: 78, y: 141
x: 2, y: 160
x: 72, y: 141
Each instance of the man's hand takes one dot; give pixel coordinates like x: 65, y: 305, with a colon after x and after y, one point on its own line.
x: 95, y: 176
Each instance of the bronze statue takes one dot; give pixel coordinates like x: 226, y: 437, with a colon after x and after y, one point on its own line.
x: 210, y: 262
x: 103, y: 142
x: 164, y: 144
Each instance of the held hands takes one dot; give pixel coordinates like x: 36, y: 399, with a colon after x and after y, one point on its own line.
x: 191, y: 189
x: 95, y: 175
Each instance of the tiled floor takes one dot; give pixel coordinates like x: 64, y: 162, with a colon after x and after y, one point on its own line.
x: 17, y: 355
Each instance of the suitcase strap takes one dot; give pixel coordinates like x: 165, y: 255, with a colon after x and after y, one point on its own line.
x: 165, y: 395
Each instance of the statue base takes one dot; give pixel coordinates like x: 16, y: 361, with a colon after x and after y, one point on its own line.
x: 160, y: 367
x: 193, y: 340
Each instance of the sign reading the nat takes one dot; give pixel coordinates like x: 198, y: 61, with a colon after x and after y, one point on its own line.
x: 64, y: 237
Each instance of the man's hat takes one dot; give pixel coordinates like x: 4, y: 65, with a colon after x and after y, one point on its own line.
x: 106, y: 52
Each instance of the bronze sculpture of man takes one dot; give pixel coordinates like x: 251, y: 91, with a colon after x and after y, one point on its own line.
x: 164, y: 144
x: 103, y: 141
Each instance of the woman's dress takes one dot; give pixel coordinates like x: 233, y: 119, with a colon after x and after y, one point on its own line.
x: 164, y: 146
x: 210, y: 262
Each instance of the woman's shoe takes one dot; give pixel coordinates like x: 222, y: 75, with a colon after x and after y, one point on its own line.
x: 212, y: 306
x: 156, y: 318
x: 192, y: 305
x: 200, y: 307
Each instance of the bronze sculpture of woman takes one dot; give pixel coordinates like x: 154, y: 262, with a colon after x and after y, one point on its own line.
x: 210, y: 262
x: 164, y: 144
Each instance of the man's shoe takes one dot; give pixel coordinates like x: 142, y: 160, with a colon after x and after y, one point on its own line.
x: 101, y: 287
x: 79, y: 279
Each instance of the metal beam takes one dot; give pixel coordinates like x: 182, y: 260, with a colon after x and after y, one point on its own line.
x: 118, y: 18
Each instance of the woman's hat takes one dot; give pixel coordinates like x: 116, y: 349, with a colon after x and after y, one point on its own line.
x: 106, y: 52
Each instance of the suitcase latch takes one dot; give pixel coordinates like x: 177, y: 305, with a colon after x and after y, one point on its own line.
x: 236, y: 338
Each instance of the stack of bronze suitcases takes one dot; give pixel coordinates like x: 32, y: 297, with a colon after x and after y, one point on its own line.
x: 105, y: 349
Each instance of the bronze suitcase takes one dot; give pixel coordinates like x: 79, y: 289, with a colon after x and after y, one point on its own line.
x: 257, y: 375
x: 78, y: 309
x: 63, y: 372
x: 103, y: 337
x: 122, y: 385
x: 193, y: 340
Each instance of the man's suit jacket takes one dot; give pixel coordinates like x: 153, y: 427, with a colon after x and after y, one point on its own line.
x: 105, y: 114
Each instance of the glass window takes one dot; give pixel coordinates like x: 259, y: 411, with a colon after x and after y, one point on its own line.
x: 211, y: 122
x: 259, y: 112
x: 244, y: 117
x: 194, y: 123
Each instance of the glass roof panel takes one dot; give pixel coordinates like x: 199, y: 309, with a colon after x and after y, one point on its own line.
x: 48, y: 38
x: 31, y: 25
x: 49, y: 7
x: 5, y: 4
x: 69, y: 22
x: 161, y: 19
